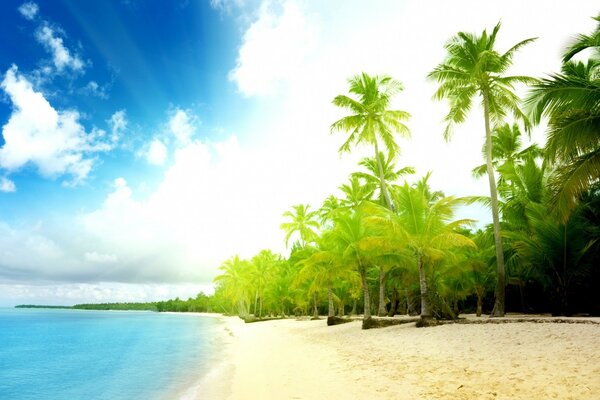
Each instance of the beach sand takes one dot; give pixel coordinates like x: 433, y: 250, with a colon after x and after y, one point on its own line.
x: 289, y: 359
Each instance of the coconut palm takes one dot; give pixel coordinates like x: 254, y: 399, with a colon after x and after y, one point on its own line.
x: 473, y: 68
x: 236, y: 283
x: 371, y: 121
x: 356, y: 245
x: 425, y: 228
x: 391, y: 174
x: 571, y: 102
x: 303, y: 222
x: 356, y: 192
x: 325, y: 267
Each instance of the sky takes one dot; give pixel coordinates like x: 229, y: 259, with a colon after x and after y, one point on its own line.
x: 144, y: 142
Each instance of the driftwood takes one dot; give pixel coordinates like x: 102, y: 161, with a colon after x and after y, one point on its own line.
x: 251, y: 318
x: 382, y: 322
x: 338, y: 320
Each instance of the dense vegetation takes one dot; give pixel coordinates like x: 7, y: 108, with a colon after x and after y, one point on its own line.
x: 391, y: 247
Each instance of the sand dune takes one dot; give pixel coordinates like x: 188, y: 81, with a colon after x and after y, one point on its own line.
x: 290, y: 359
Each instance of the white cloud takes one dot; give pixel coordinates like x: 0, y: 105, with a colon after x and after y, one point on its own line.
x: 94, y: 89
x: 54, y: 141
x: 61, y: 56
x: 157, y: 152
x: 273, y: 49
x: 6, y: 185
x: 301, y: 53
x: 182, y: 125
x: 29, y: 10
x: 117, y: 123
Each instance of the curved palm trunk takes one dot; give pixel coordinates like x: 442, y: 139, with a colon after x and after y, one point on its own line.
x: 499, y: 303
x: 382, y: 311
x: 425, y: 307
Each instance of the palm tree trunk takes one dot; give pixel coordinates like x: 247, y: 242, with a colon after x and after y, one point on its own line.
x: 260, y: 306
x: 255, y: 302
x: 393, y: 303
x: 315, y: 309
x: 365, y: 285
x: 330, y: 309
x: 479, y: 293
x: 341, y: 309
x: 499, y: 304
x: 384, y: 191
x: 353, y: 312
x: 425, y: 308
x: 382, y: 310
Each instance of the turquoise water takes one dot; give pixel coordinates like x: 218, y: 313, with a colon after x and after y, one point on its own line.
x: 73, y: 354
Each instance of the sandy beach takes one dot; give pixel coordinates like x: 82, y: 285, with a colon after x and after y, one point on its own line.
x: 289, y: 359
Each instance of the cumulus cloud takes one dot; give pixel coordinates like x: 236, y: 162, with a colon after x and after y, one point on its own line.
x: 273, y: 49
x: 61, y: 56
x: 182, y: 125
x: 38, y: 134
x: 29, y: 10
x: 6, y: 185
x: 157, y: 152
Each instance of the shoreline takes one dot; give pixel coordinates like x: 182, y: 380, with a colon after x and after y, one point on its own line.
x: 286, y: 359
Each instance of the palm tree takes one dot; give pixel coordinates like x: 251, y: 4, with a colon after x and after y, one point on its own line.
x: 424, y: 227
x: 325, y: 267
x: 236, y: 283
x: 570, y: 101
x: 371, y: 121
x: 262, y: 266
x: 356, y: 193
x: 391, y: 174
x: 303, y: 222
x: 473, y: 68
x: 356, y: 244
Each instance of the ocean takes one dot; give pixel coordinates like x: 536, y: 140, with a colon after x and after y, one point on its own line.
x: 75, y: 354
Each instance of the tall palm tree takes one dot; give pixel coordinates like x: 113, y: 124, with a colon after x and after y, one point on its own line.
x: 303, y: 222
x: 571, y: 102
x: 473, y: 68
x: 371, y: 121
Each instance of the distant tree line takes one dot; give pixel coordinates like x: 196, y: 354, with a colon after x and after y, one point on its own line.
x: 201, y: 303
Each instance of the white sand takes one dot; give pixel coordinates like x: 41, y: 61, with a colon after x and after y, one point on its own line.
x: 290, y: 359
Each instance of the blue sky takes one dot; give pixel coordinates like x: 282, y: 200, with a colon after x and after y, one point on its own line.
x: 142, y: 57
x: 144, y: 142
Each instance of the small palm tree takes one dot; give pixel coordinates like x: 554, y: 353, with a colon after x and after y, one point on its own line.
x: 371, y: 121
x: 303, y: 222
x: 236, y: 283
x: 473, y: 68
x: 425, y: 228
